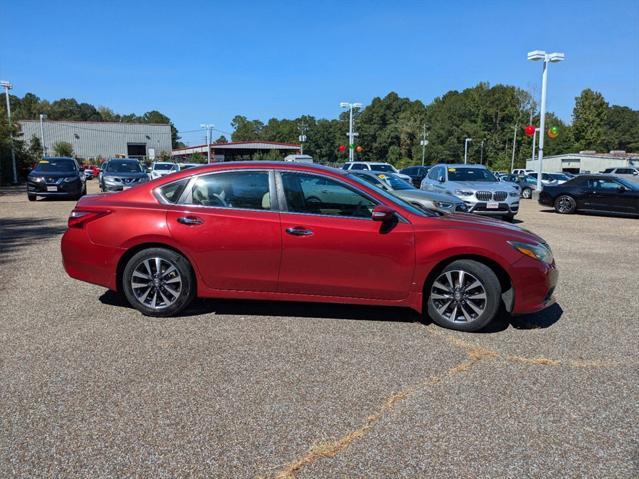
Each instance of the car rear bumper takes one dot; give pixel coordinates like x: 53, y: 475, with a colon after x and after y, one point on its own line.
x: 534, y: 284
x: 545, y: 199
x: 84, y: 260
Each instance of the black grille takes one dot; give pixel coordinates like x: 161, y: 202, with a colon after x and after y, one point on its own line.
x: 484, y: 195
x: 500, y: 195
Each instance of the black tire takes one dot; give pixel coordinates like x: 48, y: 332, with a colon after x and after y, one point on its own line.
x: 459, y: 314
x: 508, y: 218
x: 565, y: 205
x: 187, y: 287
x: 526, y: 193
x: 31, y: 197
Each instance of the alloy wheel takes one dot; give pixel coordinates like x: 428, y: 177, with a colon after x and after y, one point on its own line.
x: 156, y: 283
x: 564, y: 204
x: 527, y: 193
x: 459, y: 296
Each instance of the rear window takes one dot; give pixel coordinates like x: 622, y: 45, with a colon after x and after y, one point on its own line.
x: 171, y: 193
x: 165, y: 166
x: 383, y: 167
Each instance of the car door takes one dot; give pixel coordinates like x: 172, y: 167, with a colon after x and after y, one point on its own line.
x: 231, y: 229
x: 609, y: 195
x: 431, y: 178
x: 336, y: 249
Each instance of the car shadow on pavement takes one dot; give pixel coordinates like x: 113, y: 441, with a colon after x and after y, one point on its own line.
x: 20, y: 233
x: 541, y: 320
x: 200, y: 306
x: 245, y: 307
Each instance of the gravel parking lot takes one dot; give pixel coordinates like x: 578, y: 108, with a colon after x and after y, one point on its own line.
x: 90, y: 388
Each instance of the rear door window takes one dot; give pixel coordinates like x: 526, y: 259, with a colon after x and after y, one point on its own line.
x: 232, y: 189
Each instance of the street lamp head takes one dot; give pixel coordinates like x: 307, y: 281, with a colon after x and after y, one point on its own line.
x: 6, y: 84
x: 556, y: 57
x: 536, y: 55
x: 357, y: 105
x: 344, y: 104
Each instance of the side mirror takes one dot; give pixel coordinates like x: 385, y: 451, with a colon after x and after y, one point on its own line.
x: 383, y: 213
x: 441, y: 179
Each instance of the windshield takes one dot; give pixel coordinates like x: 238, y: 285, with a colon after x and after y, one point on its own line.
x: 383, y: 167
x: 53, y: 165
x: 397, y: 183
x: 398, y: 201
x: 165, y: 166
x: 558, y: 176
x: 470, y: 174
x: 123, y: 166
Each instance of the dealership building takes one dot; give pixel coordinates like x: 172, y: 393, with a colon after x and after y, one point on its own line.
x: 92, y: 140
x: 235, y: 151
x: 585, y: 162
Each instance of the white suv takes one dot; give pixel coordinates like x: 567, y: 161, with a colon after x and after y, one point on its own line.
x: 374, y: 166
x: 161, y: 168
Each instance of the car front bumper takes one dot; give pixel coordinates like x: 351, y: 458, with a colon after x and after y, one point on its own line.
x: 72, y: 188
x: 502, y: 208
x: 534, y: 284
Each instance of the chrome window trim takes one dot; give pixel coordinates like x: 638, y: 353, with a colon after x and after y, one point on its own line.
x: 187, y: 200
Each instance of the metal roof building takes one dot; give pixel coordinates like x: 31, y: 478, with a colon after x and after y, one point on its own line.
x: 585, y: 162
x: 91, y: 140
x: 239, y: 150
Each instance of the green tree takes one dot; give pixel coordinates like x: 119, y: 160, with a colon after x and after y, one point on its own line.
x: 589, y: 121
x: 35, y: 149
x: 245, y: 129
x: 221, y: 139
x: 622, y: 128
x: 63, y: 148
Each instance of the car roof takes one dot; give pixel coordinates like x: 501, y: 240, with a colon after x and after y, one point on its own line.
x: 461, y: 165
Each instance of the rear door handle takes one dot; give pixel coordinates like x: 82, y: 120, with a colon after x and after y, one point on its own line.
x: 190, y: 220
x: 299, y: 231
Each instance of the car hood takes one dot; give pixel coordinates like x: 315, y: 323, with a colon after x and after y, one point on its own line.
x: 53, y: 174
x: 479, y: 185
x: 426, y: 195
x: 125, y: 175
x: 470, y: 221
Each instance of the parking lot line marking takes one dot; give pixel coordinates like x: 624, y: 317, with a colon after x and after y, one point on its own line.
x: 474, y: 354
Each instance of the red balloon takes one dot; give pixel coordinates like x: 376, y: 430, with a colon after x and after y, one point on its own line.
x: 529, y: 130
x: 359, y: 149
x: 341, y: 148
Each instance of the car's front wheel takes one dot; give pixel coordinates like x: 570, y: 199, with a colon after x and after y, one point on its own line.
x: 158, y: 282
x: 565, y: 205
x: 526, y: 193
x: 465, y: 296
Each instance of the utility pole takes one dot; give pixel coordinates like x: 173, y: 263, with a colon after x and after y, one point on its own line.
x: 7, y: 86
x: 351, y: 133
x: 481, y: 153
x: 208, y: 127
x: 466, y: 141
x: 424, y: 142
x: 302, y: 137
x: 44, y: 145
x: 534, y: 142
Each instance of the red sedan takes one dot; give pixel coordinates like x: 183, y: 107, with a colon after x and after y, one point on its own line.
x: 296, y: 232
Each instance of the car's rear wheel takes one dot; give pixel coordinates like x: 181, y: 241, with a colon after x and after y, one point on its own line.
x: 158, y: 282
x: 465, y: 296
x: 565, y: 205
x: 526, y: 193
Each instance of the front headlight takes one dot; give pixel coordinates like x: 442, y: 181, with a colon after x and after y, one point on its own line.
x: 540, y: 252
x: 110, y: 179
x: 69, y: 179
x: 38, y: 179
x: 463, y: 193
x: 514, y: 194
x: 442, y: 204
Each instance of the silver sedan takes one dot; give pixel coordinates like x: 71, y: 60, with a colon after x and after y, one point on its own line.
x: 392, y: 183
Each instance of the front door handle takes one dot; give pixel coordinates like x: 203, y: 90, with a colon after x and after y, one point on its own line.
x: 190, y: 220
x: 299, y: 231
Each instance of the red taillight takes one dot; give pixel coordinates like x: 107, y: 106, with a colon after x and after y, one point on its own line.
x: 79, y: 217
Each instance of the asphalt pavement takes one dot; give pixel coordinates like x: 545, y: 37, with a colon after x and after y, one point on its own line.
x: 234, y: 389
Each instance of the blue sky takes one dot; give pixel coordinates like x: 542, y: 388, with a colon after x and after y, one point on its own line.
x: 206, y: 61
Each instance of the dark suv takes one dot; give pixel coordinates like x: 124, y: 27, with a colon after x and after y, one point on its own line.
x: 58, y: 177
x: 416, y: 173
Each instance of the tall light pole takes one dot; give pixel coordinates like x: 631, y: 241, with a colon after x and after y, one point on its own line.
x: 512, y: 158
x: 44, y: 145
x: 481, y: 153
x: 466, y: 141
x: 302, y: 137
x: 424, y: 143
x: 7, y: 86
x: 208, y: 127
x: 547, y: 58
x: 351, y: 133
